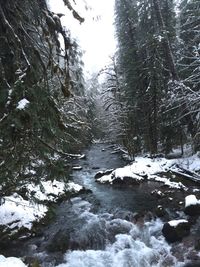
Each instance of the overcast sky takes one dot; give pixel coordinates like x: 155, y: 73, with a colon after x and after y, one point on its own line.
x: 96, y: 36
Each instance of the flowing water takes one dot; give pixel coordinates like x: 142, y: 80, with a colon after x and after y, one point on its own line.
x: 121, y: 231
x: 113, y: 226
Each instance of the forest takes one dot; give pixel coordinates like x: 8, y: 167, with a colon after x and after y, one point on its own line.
x: 150, y: 96
x: 145, y: 102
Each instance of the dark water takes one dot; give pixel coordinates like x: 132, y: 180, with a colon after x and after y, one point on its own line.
x: 135, y: 198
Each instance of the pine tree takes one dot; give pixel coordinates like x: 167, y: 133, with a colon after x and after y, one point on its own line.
x: 146, y: 65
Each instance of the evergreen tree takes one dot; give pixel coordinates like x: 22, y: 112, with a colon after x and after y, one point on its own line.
x: 35, y: 87
x: 145, y: 65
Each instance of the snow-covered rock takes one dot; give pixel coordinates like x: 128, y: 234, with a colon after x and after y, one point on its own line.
x: 11, y: 262
x: 175, y: 230
x: 102, y: 173
x: 175, y: 223
x: 77, y: 168
x: 72, y: 187
x: 16, y: 212
x: 142, y: 169
x: 192, y: 205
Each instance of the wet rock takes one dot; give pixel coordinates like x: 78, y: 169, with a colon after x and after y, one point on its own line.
x: 102, y: 173
x: 126, y: 180
x: 77, y: 168
x: 158, y: 193
x: 83, y: 156
x: 160, y: 211
x: 175, y: 230
x: 192, y: 206
x: 192, y: 210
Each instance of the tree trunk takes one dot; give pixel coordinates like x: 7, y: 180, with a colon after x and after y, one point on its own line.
x: 166, y: 44
x: 171, y: 65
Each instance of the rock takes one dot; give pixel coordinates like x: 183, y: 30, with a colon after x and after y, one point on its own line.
x: 83, y: 156
x: 77, y: 168
x: 192, y: 210
x: 126, y: 180
x: 95, y: 168
x: 158, y: 193
x: 160, y: 212
x: 102, y: 173
x: 192, y: 205
x: 175, y: 230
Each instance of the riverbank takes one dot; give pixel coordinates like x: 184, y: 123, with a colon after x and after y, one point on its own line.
x: 97, y: 222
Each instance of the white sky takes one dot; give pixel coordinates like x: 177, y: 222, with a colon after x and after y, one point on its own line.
x: 96, y: 37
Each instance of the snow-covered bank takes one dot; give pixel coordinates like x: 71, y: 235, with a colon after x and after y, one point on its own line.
x: 16, y: 212
x: 144, y: 168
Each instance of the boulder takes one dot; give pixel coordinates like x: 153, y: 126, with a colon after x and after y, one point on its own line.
x: 192, y: 210
x: 160, y: 211
x: 77, y: 168
x: 192, y: 205
x: 102, y: 173
x: 157, y: 193
x: 175, y: 230
x: 126, y: 180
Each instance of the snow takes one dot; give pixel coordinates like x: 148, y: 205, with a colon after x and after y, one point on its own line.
x: 11, y: 262
x: 72, y: 187
x: 15, y: 212
x: 191, y: 200
x: 191, y: 163
x: 50, y: 190
x: 175, y: 223
x: 147, y: 168
x: 127, y: 171
x: 22, y: 104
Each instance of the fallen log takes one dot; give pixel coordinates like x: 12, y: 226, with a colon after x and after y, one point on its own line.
x: 186, y: 174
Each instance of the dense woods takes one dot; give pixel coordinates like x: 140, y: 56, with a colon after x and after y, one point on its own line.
x: 42, y: 98
x: 148, y: 102
x: 100, y: 169
x: 154, y: 79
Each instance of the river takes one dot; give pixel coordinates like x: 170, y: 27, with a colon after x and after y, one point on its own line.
x: 113, y: 226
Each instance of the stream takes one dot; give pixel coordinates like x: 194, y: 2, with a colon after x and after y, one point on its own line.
x: 110, y: 226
